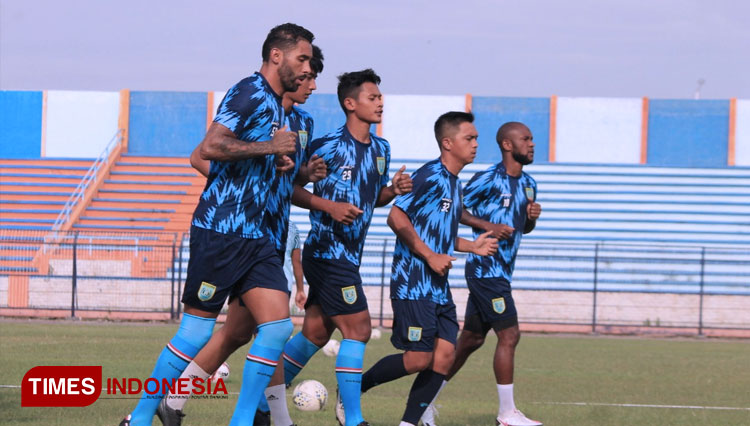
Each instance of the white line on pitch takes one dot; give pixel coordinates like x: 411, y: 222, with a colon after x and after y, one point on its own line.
x: 695, y: 407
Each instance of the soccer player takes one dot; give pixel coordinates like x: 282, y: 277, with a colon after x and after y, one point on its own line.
x: 426, y: 225
x: 340, y: 212
x: 230, y: 252
x: 293, y: 266
x: 503, y: 201
x: 240, y: 323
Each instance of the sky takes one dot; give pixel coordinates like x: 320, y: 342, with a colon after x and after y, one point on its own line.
x: 530, y: 48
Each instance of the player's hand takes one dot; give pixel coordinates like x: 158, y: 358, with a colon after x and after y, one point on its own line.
x: 485, y: 244
x: 284, y: 164
x: 401, y: 182
x: 500, y: 231
x: 299, y: 299
x: 440, y: 263
x: 344, y: 212
x: 533, y: 210
x: 284, y: 142
x: 316, y: 168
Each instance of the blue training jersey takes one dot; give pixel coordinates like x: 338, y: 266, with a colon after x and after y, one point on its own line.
x: 434, y: 208
x: 497, y: 197
x: 280, y: 193
x: 357, y: 174
x: 236, y: 192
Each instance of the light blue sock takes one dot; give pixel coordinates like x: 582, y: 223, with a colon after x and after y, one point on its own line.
x: 297, y: 352
x: 192, y: 335
x: 261, y: 361
x: 263, y: 404
x: 349, y: 377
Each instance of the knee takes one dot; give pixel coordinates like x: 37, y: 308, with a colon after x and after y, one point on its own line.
x: 276, y: 333
x: 472, y: 341
x: 417, y: 361
x: 509, y: 337
x: 359, y: 331
x: 233, y: 341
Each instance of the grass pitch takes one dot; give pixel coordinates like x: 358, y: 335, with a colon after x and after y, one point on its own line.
x: 560, y: 380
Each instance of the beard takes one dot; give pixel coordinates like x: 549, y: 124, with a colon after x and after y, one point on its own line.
x: 288, y: 80
x: 523, y: 159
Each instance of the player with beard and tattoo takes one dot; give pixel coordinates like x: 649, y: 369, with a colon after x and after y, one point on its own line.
x: 230, y: 250
x: 502, y: 200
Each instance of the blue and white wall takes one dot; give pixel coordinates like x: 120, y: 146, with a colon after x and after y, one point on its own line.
x: 687, y: 133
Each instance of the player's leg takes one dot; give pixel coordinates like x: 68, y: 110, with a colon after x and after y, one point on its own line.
x: 265, y: 294
x: 236, y: 332
x: 431, y: 381
x: 472, y: 336
x: 355, y: 329
x: 206, y: 289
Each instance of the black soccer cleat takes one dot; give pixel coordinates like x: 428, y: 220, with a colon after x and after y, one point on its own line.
x: 125, y: 421
x: 262, y: 418
x: 168, y: 415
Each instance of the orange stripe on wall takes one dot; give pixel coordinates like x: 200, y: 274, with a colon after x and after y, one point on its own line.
x: 43, y: 149
x: 469, y: 101
x: 552, y: 128
x: 209, y: 109
x: 644, y: 130
x: 123, y: 122
x: 732, y: 131
x: 18, y: 291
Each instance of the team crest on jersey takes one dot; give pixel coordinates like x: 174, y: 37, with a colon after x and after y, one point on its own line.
x: 206, y: 291
x: 350, y: 294
x: 445, y: 205
x: 303, y: 138
x: 381, y: 165
x: 415, y: 334
x: 529, y: 193
x: 498, y: 305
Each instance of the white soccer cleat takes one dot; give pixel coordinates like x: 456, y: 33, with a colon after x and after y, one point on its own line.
x: 340, y: 414
x: 515, y: 418
x: 428, y: 417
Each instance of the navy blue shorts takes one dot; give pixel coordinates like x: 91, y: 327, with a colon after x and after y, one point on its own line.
x: 417, y: 323
x: 221, y: 265
x: 334, y: 285
x: 491, y: 299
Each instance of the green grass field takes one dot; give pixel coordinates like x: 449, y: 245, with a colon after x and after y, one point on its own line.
x: 553, y: 373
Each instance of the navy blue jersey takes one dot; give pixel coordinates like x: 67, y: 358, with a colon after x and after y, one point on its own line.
x: 280, y: 194
x: 357, y: 174
x: 496, y: 197
x: 236, y: 192
x: 434, y: 208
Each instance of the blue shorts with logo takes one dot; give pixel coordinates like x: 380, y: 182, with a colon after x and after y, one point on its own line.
x: 417, y: 323
x: 335, y: 285
x: 491, y: 299
x: 221, y: 265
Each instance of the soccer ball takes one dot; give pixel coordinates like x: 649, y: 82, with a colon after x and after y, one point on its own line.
x: 221, y: 373
x: 310, y: 395
x: 332, y: 347
x: 376, y: 333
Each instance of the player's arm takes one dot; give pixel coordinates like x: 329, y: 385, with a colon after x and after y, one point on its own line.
x: 340, y: 212
x: 404, y: 230
x: 400, y: 184
x: 484, y: 245
x: 198, y: 163
x: 498, y: 230
x: 221, y: 144
x: 533, y: 211
x: 300, y: 298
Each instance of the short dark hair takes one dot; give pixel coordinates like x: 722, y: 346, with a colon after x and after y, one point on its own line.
x: 502, y: 132
x: 448, y: 121
x: 284, y: 37
x: 350, y: 82
x: 316, y: 63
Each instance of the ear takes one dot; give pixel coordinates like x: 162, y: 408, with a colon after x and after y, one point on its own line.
x: 506, y: 145
x: 446, y: 143
x: 276, y: 56
x: 350, y: 104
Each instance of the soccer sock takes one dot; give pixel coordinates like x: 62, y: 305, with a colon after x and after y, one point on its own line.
x: 428, y: 417
x: 192, y: 335
x: 276, y: 397
x: 261, y: 361
x: 297, y: 352
x: 388, y: 368
x: 505, y: 395
x: 349, y: 377
x: 192, y: 371
x: 423, y: 391
x: 263, y: 404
